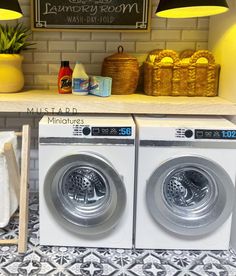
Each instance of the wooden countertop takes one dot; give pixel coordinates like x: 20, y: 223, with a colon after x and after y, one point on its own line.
x: 49, y: 101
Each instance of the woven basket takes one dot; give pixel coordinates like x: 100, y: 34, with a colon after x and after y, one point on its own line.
x: 203, y: 77
x: 124, y: 71
x: 158, y: 76
x: 184, y: 76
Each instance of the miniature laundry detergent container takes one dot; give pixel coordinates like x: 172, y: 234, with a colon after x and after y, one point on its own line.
x: 8, y: 196
x: 124, y: 71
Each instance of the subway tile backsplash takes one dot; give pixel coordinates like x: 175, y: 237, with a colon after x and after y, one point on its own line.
x: 41, y: 65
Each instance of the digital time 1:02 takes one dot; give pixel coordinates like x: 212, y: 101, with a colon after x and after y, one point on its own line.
x: 228, y: 134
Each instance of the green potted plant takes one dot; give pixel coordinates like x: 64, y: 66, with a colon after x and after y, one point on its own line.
x: 13, y: 40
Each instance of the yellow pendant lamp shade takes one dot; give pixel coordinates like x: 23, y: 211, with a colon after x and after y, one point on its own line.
x: 10, y: 9
x: 190, y: 8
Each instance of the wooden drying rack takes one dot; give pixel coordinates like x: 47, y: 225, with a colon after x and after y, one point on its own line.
x: 19, y: 180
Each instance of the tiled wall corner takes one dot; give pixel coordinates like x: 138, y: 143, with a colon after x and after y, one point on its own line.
x: 34, y: 170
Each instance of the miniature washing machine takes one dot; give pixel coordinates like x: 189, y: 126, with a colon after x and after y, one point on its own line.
x: 86, y: 180
x: 185, y: 183
x: 233, y: 228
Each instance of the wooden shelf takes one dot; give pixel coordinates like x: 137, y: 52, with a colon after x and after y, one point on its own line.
x: 45, y: 101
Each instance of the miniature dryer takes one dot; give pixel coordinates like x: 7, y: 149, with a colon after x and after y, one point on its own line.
x: 185, y: 183
x: 233, y: 229
x: 86, y: 180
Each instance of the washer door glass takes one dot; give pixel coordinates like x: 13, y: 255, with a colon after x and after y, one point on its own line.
x: 85, y: 193
x: 190, y: 195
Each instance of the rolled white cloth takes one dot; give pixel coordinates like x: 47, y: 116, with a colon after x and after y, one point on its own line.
x: 8, y: 197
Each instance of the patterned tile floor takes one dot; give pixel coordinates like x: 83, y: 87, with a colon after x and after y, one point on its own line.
x: 60, y: 261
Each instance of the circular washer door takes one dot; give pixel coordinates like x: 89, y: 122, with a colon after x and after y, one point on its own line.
x: 190, y: 195
x: 85, y: 193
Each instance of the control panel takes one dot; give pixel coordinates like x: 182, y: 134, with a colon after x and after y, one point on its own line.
x: 199, y: 134
x: 226, y: 134
x: 85, y: 130
x: 183, y: 133
x: 111, y: 131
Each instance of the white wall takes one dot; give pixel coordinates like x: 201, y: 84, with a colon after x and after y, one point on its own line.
x: 222, y: 42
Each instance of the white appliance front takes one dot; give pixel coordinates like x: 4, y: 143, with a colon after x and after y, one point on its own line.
x: 185, y: 182
x: 86, y: 181
x: 233, y: 228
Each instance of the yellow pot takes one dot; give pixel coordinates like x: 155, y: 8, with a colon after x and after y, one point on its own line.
x: 11, y: 75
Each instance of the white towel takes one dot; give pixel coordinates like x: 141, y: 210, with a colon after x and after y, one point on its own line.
x: 8, y: 198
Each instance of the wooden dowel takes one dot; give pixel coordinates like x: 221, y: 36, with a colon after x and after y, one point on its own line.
x: 24, y: 191
x: 12, y: 241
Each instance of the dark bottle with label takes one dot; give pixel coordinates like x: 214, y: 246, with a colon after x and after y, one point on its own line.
x: 65, y: 78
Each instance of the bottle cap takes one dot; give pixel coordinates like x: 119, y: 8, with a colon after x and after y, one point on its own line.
x: 64, y: 63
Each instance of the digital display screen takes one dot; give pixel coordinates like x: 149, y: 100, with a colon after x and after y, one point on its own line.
x: 215, y: 134
x: 111, y: 131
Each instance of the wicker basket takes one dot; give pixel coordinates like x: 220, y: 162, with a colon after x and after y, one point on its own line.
x: 158, y: 76
x: 124, y: 71
x: 184, y: 76
x: 203, y: 77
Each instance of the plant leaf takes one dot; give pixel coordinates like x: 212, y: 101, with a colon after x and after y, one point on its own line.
x: 14, y: 39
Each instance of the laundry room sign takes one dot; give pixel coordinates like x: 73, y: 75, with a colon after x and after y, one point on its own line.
x: 133, y: 15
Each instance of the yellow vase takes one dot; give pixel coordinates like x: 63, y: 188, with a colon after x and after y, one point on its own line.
x: 11, y: 75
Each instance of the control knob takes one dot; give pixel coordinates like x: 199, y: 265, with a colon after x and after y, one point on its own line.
x: 86, y: 130
x: 188, y: 133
